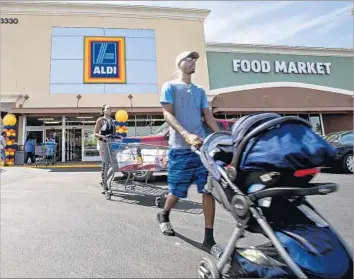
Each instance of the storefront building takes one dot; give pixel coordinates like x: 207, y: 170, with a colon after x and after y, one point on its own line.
x: 313, y: 83
x: 61, y: 62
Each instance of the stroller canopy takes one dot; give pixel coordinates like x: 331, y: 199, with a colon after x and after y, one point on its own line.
x: 267, y: 141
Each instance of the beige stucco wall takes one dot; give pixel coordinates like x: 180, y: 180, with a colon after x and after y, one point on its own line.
x: 26, y: 50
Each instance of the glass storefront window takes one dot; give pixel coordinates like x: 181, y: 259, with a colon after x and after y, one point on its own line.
x: 315, y: 121
x: 44, y: 121
x: 304, y: 116
x: 90, y: 146
x: 81, y: 120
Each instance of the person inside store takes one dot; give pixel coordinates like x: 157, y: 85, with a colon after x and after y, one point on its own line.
x: 52, y: 147
x: 30, y: 145
x: 51, y: 137
x: 104, y: 127
x: 184, y: 105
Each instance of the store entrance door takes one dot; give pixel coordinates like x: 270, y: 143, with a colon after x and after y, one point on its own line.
x: 73, y: 145
x: 55, y: 135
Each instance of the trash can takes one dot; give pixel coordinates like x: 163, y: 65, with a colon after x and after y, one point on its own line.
x: 19, y: 157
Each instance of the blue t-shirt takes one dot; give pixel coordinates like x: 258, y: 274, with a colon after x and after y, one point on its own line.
x: 188, y: 102
x: 30, y: 145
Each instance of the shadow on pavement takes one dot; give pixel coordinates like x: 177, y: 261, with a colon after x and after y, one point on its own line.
x: 184, y: 206
x: 145, y: 195
x: 194, y: 243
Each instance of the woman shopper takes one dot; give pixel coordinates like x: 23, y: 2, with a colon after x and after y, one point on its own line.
x: 30, y: 146
x: 104, y: 127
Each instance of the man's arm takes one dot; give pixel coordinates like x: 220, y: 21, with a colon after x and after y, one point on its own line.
x: 208, y: 115
x: 210, y: 120
x: 167, y: 110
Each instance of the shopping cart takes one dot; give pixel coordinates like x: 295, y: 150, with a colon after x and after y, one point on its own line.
x: 45, y: 154
x: 130, y: 157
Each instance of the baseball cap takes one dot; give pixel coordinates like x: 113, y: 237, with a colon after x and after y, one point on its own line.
x: 186, y: 54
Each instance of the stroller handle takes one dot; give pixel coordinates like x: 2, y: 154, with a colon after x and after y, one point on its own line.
x: 195, y: 149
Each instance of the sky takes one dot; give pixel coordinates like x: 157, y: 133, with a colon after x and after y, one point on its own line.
x: 294, y: 23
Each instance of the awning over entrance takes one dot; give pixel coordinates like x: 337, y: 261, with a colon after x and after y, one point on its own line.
x: 75, y: 111
x: 8, y: 101
x: 282, y: 99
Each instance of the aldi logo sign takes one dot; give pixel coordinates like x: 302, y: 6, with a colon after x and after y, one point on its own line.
x: 104, y: 60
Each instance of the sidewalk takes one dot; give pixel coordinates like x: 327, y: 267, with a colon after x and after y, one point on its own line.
x: 64, y: 165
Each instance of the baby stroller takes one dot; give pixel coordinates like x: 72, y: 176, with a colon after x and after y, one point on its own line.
x: 261, y: 173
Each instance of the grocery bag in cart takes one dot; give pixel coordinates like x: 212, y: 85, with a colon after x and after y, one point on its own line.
x: 129, y: 159
x: 154, y: 159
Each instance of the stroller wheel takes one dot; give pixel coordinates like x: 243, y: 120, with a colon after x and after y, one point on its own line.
x: 108, y: 195
x: 158, y: 202
x: 207, y: 269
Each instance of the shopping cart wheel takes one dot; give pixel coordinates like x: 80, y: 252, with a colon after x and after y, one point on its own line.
x: 108, y: 195
x: 158, y: 202
x: 207, y: 269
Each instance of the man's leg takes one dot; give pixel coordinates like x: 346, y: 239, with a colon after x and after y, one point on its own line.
x: 209, y: 243
x: 179, y: 179
x: 163, y: 217
x: 209, y: 215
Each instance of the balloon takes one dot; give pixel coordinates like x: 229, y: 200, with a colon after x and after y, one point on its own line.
x: 9, y: 120
x: 121, y: 116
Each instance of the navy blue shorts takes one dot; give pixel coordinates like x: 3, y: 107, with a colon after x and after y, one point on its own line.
x: 184, y: 169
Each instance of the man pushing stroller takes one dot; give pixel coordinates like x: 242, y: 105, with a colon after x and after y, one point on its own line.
x: 184, y: 105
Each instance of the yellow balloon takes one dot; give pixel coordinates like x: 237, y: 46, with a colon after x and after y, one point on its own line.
x: 121, y: 116
x: 9, y: 120
x: 120, y: 131
x: 8, y: 134
x: 9, y: 142
x: 7, y: 153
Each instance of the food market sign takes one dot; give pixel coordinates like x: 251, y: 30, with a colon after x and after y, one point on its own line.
x: 283, y: 67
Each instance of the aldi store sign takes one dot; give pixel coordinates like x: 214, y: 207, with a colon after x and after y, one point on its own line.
x: 283, y: 67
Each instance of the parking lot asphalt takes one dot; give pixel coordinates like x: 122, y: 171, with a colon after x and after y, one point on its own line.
x: 58, y: 225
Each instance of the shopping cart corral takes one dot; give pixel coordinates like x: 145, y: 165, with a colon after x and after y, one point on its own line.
x: 130, y: 156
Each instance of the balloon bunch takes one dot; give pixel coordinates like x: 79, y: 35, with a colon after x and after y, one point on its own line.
x: 121, y: 123
x: 10, y: 130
